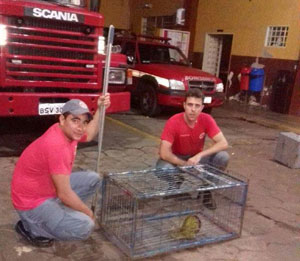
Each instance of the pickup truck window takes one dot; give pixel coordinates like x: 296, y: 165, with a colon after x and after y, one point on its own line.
x: 161, y: 55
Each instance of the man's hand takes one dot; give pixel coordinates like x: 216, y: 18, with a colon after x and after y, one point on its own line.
x: 165, y: 153
x: 104, y: 100
x: 67, y: 196
x: 91, y: 214
x: 93, y: 126
x: 194, y: 160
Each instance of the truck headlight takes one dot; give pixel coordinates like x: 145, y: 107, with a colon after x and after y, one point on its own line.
x: 116, y: 76
x: 3, y: 35
x: 101, y: 45
x: 176, y: 85
x: 219, y: 87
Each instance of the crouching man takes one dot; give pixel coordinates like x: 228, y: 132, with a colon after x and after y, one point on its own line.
x: 48, y: 197
x: 183, y: 136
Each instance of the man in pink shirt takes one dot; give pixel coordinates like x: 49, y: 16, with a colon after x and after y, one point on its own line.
x: 48, y: 197
x: 183, y: 136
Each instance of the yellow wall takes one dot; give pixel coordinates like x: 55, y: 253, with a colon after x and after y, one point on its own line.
x: 116, y: 12
x: 248, y: 21
x: 127, y: 14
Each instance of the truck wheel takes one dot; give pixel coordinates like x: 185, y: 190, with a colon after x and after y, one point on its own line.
x: 148, y: 101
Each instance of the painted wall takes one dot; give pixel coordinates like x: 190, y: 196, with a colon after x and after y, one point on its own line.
x: 116, y: 12
x: 158, y: 8
x: 248, y: 21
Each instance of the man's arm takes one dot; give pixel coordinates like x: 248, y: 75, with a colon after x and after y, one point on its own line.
x: 68, y: 196
x: 220, y: 143
x: 165, y: 153
x: 93, y: 126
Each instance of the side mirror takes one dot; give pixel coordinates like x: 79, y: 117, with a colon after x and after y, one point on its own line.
x: 130, y: 59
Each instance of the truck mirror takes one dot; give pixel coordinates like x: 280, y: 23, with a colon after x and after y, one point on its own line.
x: 130, y: 59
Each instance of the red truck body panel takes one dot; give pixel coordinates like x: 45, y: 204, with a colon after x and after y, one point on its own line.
x: 52, y: 56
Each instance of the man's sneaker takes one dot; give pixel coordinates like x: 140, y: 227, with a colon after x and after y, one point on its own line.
x: 36, y: 241
x: 207, y: 200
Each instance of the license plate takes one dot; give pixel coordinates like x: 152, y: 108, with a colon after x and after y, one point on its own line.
x: 50, y: 108
x: 207, y: 100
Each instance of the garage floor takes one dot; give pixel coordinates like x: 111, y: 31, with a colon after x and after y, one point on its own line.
x: 271, y: 229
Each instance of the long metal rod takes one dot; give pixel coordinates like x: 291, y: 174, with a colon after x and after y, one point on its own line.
x: 102, y: 108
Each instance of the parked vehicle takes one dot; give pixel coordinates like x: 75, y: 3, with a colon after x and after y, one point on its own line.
x: 161, y: 75
x: 52, y: 51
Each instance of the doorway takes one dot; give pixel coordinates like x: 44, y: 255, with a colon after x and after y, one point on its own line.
x: 217, y: 54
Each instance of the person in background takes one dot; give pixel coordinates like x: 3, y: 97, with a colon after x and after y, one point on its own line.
x: 48, y: 197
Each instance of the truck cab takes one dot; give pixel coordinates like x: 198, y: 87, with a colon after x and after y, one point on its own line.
x: 161, y: 75
x: 52, y: 51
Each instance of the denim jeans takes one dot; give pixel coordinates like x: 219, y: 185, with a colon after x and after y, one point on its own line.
x: 53, y: 219
x: 218, y: 160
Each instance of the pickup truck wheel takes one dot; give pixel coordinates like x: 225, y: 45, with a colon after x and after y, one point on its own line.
x: 148, y: 101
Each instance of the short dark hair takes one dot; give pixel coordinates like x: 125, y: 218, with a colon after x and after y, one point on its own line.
x: 194, y: 92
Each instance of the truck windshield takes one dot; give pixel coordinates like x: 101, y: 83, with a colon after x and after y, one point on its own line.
x: 79, y: 3
x: 161, y: 54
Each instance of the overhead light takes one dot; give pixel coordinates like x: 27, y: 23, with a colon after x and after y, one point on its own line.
x: 147, y: 6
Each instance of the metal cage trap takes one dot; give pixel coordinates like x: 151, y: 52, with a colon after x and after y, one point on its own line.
x: 161, y: 210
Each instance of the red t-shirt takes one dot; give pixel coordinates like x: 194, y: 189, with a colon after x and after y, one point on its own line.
x: 185, y: 140
x: 52, y: 153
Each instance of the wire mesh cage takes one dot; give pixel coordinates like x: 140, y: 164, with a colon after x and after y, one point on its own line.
x: 161, y: 210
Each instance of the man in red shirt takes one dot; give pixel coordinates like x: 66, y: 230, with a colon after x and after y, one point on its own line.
x: 182, y: 139
x: 48, y: 197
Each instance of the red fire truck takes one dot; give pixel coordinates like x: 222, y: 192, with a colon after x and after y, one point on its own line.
x: 162, y: 74
x: 52, y: 51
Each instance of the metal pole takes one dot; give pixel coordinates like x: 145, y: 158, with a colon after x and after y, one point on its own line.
x: 102, y: 108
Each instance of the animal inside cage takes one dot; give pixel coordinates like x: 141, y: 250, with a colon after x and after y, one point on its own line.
x: 161, y: 210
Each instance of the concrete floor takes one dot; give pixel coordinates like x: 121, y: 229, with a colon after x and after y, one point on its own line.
x: 271, y: 229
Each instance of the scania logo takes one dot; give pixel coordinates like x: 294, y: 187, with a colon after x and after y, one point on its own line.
x: 53, y: 14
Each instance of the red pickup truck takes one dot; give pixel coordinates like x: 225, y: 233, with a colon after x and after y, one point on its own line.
x: 161, y: 75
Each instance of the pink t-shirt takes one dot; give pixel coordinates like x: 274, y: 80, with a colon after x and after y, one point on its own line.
x: 52, y: 153
x: 185, y: 140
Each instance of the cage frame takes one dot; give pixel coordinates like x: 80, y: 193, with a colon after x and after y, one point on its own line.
x: 130, y: 250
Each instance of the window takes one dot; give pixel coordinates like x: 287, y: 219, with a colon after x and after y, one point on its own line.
x: 161, y: 55
x: 149, y: 24
x: 276, y: 36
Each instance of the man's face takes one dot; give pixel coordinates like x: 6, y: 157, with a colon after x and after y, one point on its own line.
x: 192, y: 108
x: 74, y: 126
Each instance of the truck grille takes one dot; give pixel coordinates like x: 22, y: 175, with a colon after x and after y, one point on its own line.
x: 51, y: 53
x: 204, y: 86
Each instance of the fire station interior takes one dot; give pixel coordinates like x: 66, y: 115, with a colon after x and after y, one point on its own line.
x: 181, y: 15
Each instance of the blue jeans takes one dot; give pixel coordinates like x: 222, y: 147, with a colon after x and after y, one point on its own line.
x: 218, y: 160
x: 52, y: 219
